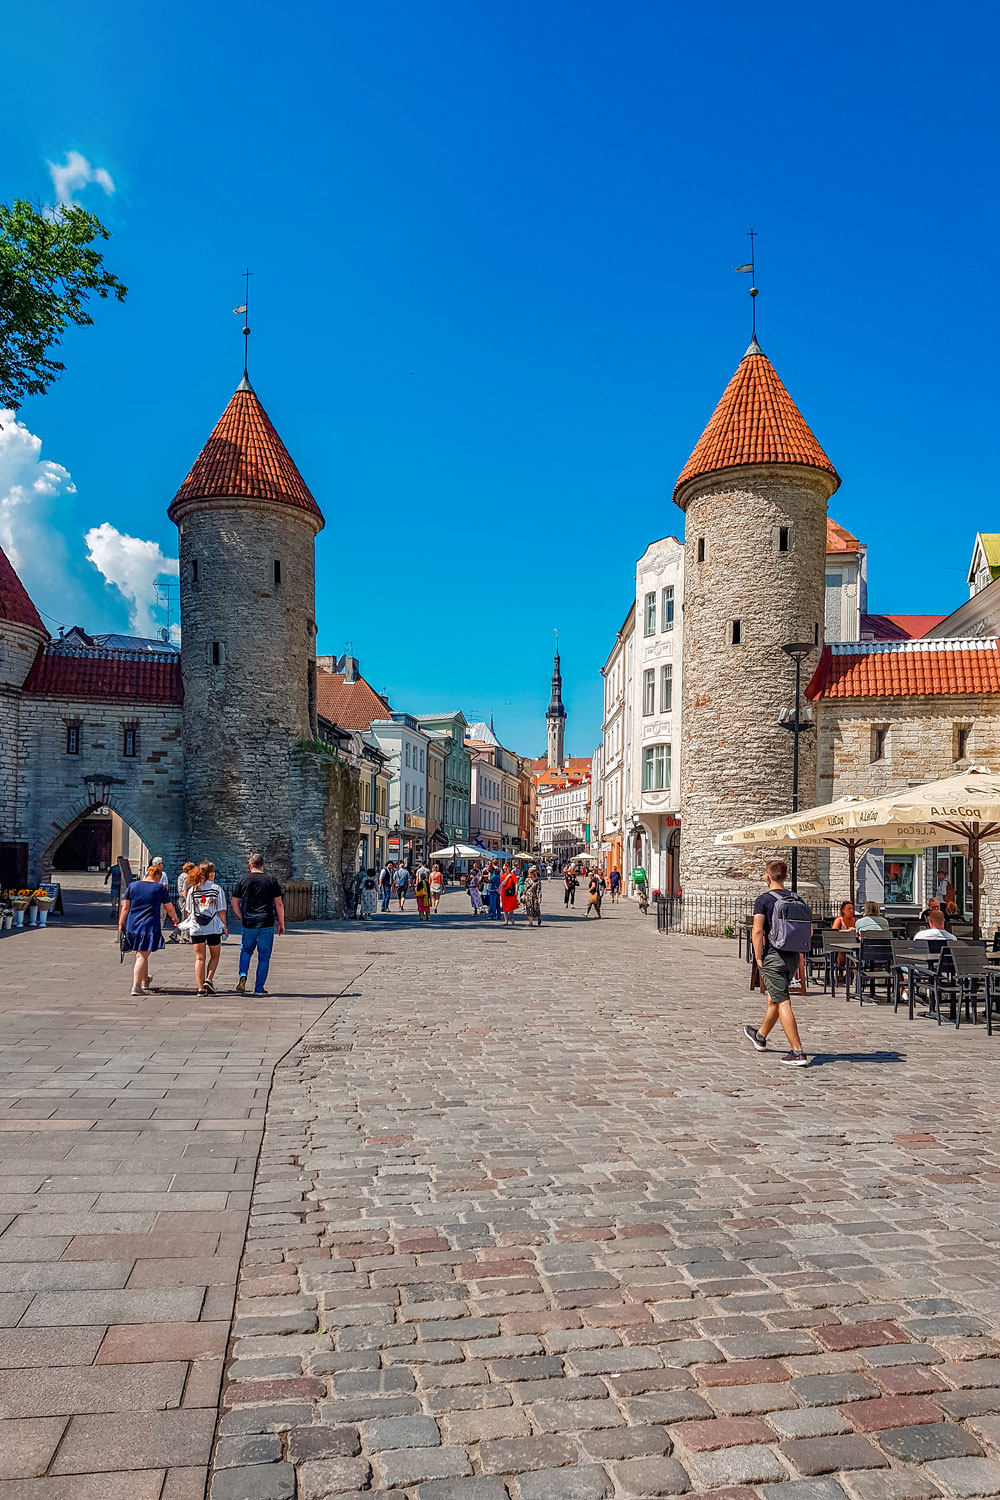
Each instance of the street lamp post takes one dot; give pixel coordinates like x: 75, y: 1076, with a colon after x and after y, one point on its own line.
x: 798, y: 651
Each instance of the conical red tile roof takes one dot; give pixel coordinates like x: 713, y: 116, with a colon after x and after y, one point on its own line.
x: 15, y: 604
x: 756, y: 422
x: 245, y: 456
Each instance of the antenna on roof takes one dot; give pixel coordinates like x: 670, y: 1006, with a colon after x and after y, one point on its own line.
x: 244, y: 308
x: 751, y: 270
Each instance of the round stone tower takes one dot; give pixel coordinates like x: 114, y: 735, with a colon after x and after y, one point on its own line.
x: 754, y: 494
x: 247, y: 525
x: 21, y: 635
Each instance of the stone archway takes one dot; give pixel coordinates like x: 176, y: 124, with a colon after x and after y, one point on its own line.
x: 75, y: 812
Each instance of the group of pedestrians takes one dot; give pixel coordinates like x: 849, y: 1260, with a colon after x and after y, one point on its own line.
x: 257, y: 904
x: 426, y: 882
x: 500, y: 891
x: 598, y: 886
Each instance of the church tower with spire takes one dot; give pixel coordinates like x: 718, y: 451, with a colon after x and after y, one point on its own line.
x: 754, y: 495
x: 555, y: 718
x: 247, y: 525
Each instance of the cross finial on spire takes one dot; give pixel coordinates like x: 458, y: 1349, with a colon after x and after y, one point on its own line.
x: 244, y: 308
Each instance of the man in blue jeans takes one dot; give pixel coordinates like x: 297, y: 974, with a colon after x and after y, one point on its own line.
x: 258, y: 905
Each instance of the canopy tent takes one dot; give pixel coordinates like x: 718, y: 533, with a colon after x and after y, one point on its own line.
x: 827, y: 827
x: 459, y: 851
x: 966, y: 806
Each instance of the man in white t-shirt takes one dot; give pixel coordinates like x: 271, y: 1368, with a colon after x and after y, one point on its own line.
x: 935, y: 929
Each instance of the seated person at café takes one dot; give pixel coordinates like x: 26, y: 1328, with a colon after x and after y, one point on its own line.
x: 845, y: 922
x: 935, y: 929
x: 871, y: 919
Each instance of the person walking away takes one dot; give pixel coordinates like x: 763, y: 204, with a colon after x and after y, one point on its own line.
x: 423, y: 894
x: 594, y: 896
x: 570, y: 884
x: 508, y: 895
x: 475, y: 895
x: 205, y: 905
x: 531, y: 898
x: 258, y: 902
x: 871, y: 919
x: 782, y: 932
x: 385, y: 886
x: 437, y: 887
x: 369, y: 889
x: 139, y: 920
x: 616, y: 886
x: 402, y: 883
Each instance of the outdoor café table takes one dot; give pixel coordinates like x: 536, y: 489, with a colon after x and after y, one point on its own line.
x: 836, y: 943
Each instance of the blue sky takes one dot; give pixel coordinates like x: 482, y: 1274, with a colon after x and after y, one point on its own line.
x: 493, y: 297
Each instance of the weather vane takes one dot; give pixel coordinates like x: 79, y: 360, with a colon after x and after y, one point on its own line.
x: 750, y: 270
x: 244, y: 308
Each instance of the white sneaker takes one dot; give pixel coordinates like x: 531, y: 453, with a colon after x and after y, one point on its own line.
x: 147, y: 988
x: 136, y: 990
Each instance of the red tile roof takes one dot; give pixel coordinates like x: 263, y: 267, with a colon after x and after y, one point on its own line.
x: 14, y: 602
x: 756, y: 422
x: 899, y: 627
x: 839, y: 539
x: 352, y: 705
x: 898, y: 669
x: 142, y: 678
x: 245, y: 456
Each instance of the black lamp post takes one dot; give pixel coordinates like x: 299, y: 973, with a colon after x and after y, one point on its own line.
x: 798, y: 651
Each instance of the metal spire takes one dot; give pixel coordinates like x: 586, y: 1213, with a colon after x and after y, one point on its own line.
x: 750, y: 269
x: 244, y: 308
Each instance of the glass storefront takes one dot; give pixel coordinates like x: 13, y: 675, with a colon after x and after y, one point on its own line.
x: 900, y: 877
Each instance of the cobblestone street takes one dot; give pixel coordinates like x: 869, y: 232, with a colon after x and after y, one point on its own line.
x: 530, y: 1218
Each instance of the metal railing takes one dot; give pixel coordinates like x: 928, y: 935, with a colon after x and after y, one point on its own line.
x: 716, y: 914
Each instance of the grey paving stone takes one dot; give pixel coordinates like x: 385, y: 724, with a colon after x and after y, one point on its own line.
x: 401, y: 1432
x: 511, y: 1455
x: 650, y: 1476
x: 829, y: 1390
x: 406, y: 1466
x: 475, y: 1487
x: 967, y: 1476
x: 749, y: 1463
x: 901, y: 1483
x: 262, y: 1482
x: 932, y: 1440
x: 324, y: 1477
x: 256, y: 1448
x: 824, y: 1455
x: 584, y: 1482
x: 815, y: 1421
x: 805, y: 1489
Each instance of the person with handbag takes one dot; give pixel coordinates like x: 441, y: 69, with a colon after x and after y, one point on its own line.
x: 139, y: 924
x: 205, y: 904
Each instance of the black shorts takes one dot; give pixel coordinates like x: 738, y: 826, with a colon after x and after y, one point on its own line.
x: 213, y: 941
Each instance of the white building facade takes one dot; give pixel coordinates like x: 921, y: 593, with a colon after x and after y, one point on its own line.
x: 404, y: 743
x: 653, y: 766
x: 562, y: 817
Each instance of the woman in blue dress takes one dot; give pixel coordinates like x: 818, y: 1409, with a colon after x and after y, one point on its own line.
x: 139, y: 919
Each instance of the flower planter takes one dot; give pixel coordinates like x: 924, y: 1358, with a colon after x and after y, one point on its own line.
x: 19, y: 916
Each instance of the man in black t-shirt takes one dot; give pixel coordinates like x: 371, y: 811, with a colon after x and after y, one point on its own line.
x: 258, y: 905
x: 778, y: 968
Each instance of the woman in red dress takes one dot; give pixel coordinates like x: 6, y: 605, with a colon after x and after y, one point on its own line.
x: 508, y: 895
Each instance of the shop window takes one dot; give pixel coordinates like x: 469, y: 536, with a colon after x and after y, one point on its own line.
x: 880, y: 741
x: 900, y: 878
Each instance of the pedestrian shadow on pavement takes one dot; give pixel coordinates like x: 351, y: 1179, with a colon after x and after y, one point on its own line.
x: 882, y: 1055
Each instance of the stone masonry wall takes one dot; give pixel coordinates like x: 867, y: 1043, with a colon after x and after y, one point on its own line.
x: 146, y: 790
x: 19, y: 646
x: 736, y: 762
x: 920, y: 746
x: 245, y: 714
x: 326, y: 802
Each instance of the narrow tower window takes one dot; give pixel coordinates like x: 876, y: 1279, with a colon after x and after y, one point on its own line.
x: 782, y: 538
x: 962, y: 732
x: 194, y: 570
x: 880, y: 735
x: 701, y: 549
x: 129, y: 741
x: 736, y: 633
x: 277, y: 571
x: 218, y: 654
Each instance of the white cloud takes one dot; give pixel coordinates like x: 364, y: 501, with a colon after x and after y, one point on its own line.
x: 132, y: 566
x: 74, y: 174
x: 40, y: 535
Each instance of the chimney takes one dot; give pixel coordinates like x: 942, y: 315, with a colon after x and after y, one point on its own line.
x: 350, y: 668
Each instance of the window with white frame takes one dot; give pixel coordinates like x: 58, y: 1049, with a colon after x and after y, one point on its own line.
x: 651, y: 613
x: 656, y: 768
x: 649, y: 691
x: 667, y: 608
x: 666, y: 688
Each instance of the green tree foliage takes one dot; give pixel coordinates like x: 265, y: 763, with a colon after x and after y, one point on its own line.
x: 49, y: 270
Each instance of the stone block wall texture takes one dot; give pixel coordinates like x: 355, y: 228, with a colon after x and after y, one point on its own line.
x: 147, y: 789
x: 245, y: 716
x: 736, y: 761
x: 326, y: 818
x: 19, y: 646
x: 920, y: 746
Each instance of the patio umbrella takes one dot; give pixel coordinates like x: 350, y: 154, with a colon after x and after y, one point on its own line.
x: 829, y: 826
x: 966, y: 806
x: 459, y: 851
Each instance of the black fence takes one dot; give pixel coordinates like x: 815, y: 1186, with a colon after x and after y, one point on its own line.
x: 716, y: 914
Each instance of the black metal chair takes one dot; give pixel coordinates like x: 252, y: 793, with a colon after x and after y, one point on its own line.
x: 816, y: 957
x: 914, y: 966
x: 963, y: 978
x: 837, y: 945
x: 871, y: 967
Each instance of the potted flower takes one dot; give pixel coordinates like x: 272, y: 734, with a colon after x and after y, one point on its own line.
x: 20, y: 901
x: 42, y: 902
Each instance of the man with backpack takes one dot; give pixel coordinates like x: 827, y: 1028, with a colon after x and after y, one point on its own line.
x: 782, y: 932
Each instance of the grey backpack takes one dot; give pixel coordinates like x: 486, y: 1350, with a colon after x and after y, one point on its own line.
x: 791, y: 923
